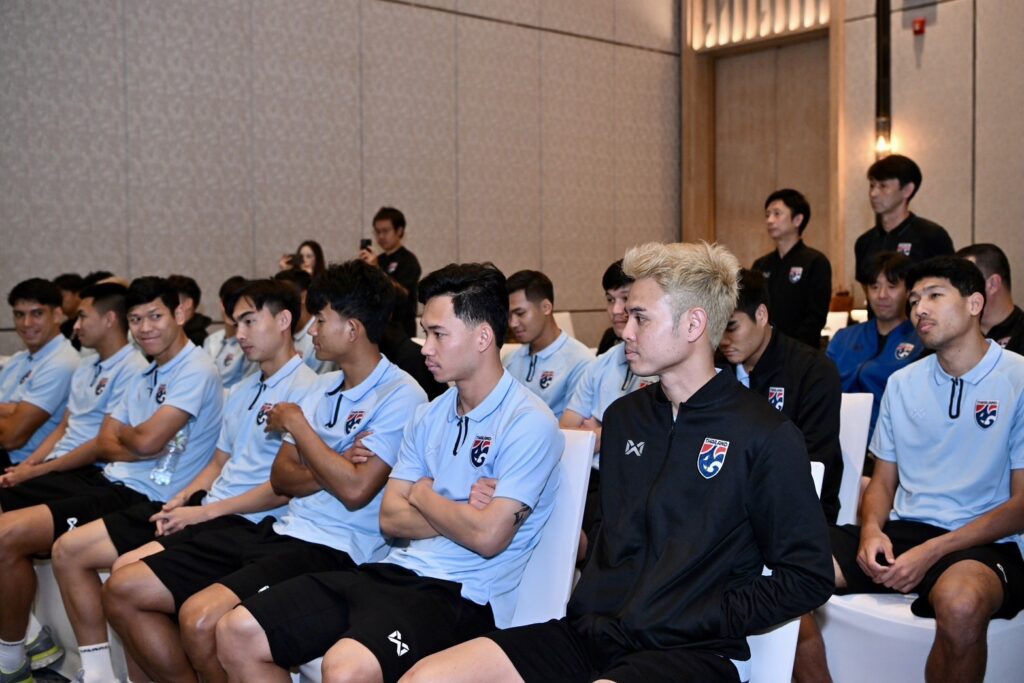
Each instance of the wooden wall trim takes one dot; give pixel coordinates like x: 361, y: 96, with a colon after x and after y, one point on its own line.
x: 697, y: 138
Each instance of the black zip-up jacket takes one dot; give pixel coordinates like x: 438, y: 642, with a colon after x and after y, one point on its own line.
x: 800, y: 290
x: 678, y: 555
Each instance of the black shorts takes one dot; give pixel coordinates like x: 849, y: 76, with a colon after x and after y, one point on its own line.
x: 52, y: 486
x: 555, y: 651
x: 1004, y: 559
x: 130, y: 528
x: 399, y: 616
x: 244, y: 557
x: 92, y: 504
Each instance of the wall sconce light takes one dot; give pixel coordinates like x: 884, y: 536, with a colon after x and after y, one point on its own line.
x: 883, y: 137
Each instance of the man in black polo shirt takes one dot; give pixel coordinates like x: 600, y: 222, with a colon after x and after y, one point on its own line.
x: 892, y: 183
x: 799, y: 277
x: 399, y: 263
x: 1001, y: 320
x: 801, y: 383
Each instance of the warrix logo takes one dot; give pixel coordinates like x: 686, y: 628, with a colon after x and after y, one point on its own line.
x: 400, y: 647
x: 636, y: 449
x: 354, y: 418
x: 72, y: 523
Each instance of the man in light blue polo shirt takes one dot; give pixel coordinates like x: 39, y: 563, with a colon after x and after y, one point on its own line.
x: 330, y: 521
x: 550, y: 362
x: 943, y: 514
x: 223, y: 345
x: 472, y: 490
x: 34, y: 383
x: 304, y: 343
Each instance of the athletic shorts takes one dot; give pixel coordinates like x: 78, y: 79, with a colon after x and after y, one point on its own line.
x: 90, y: 505
x: 242, y: 556
x: 555, y: 651
x: 397, y: 615
x: 52, y: 486
x: 130, y: 528
x: 1004, y: 559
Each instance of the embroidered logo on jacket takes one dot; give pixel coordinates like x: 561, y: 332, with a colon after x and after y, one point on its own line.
x: 636, y: 449
x: 711, y: 459
x: 904, y: 350
x: 904, y: 248
x: 985, y: 413
x: 353, y: 420
x: 478, y: 453
x: 777, y: 397
x: 795, y: 273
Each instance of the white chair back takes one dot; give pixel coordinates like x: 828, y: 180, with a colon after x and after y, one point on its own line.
x: 564, y: 320
x: 835, y: 321
x: 854, y: 424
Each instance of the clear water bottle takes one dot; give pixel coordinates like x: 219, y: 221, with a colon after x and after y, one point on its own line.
x: 167, y: 461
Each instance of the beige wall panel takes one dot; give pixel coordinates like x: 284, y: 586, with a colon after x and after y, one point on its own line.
x: 999, y: 202
x: 859, y: 136
x: 578, y: 133
x: 648, y: 23
x: 443, y: 4
x: 745, y: 147
x: 858, y: 9
x: 932, y: 118
x: 646, y: 148
x: 589, y: 326
x: 499, y: 144
x: 409, y: 125
x: 518, y: 11
x: 583, y: 17
x: 801, y: 97
x: 306, y: 154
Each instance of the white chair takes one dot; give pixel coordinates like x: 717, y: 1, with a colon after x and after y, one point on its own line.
x: 835, y: 321
x: 508, y: 348
x: 564, y: 320
x: 859, y: 315
x: 854, y: 424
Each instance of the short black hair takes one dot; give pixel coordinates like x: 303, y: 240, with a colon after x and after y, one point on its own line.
x: 893, y: 264
x: 228, y: 287
x: 97, y: 275
x: 70, y: 282
x: 990, y: 259
x: 614, y: 278
x: 390, y: 213
x: 356, y: 290
x: 186, y: 286
x: 795, y: 202
x: 899, y: 167
x: 962, y: 274
x: 275, y: 295
x: 299, y: 278
x: 753, y: 292
x: 36, y: 289
x: 478, y: 294
x: 535, y: 285
x: 107, y: 297
x: 142, y: 290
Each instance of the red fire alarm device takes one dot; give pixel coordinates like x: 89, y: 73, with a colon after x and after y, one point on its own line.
x: 919, y: 24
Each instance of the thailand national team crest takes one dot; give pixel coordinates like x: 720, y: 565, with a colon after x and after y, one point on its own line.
x: 545, y: 378
x: 712, y: 457
x: 904, y: 248
x: 261, y: 417
x: 353, y: 420
x: 161, y: 393
x: 777, y: 397
x: 795, y: 273
x: 985, y: 413
x: 228, y: 358
x: 101, y: 385
x: 393, y: 266
x: 477, y: 454
x: 904, y: 350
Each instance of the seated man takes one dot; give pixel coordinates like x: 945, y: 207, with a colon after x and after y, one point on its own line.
x: 1001, y: 320
x: 178, y: 398
x: 470, y: 494
x: 550, y: 362
x: 703, y: 485
x: 799, y: 382
x: 223, y: 345
x: 237, y: 477
x: 943, y: 514
x: 303, y: 337
x: 331, y: 519
x: 70, y: 286
x: 34, y: 383
x: 189, y: 296
x: 616, y: 288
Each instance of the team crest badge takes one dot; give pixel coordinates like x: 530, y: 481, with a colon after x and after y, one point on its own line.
x: 795, y: 273
x: 353, y: 420
x: 228, y: 358
x: 904, y: 248
x: 101, y: 385
x: 545, y: 378
x: 985, y: 413
x: 261, y: 417
x: 712, y: 457
x: 777, y: 397
x: 161, y: 393
x: 904, y: 350
x: 24, y: 378
x: 393, y: 266
x: 481, y: 445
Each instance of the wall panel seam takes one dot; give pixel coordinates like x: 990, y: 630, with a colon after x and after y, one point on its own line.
x: 125, y: 165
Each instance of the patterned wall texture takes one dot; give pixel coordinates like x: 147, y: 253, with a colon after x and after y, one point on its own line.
x: 158, y: 136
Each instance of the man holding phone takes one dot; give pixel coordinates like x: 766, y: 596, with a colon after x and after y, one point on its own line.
x: 400, y: 264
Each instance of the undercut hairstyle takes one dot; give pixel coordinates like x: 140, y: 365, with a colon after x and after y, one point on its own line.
x: 96, y: 276
x: 753, y: 293
x: 694, y: 275
x: 795, y: 202
x: 298, y: 278
x: 614, y: 278
x: 390, y: 213
x: 274, y: 295
x: 962, y: 274
x: 899, y: 167
x: 990, y: 259
x: 357, y: 290
x: 535, y: 285
x: 186, y: 286
x: 318, y: 255
x: 142, y: 290
x: 478, y: 293
x: 109, y: 297
x: 70, y: 282
x: 36, y: 289
x: 890, y: 263
x: 229, y: 287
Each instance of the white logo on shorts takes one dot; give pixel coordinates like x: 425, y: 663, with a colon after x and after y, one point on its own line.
x: 72, y: 523
x: 396, y: 638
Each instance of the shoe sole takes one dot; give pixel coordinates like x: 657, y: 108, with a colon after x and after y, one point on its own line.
x: 45, y: 658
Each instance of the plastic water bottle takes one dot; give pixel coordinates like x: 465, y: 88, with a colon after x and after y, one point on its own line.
x: 167, y: 461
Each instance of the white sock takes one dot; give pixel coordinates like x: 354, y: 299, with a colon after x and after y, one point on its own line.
x: 12, y: 655
x: 96, y: 663
x: 34, y: 627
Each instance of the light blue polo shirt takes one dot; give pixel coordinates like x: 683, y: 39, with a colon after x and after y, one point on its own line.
x: 954, y: 441
x: 380, y: 404
x: 605, y: 380
x: 242, y: 437
x: 228, y: 357
x: 43, y: 379
x: 304, y: 345
x: 512, y: 437
x: 190, y: 382
x: 553, y: 372
x: 96, y: 388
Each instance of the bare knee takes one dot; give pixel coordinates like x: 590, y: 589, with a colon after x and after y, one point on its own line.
x: 349, y: 661
x: 235, y: 632
x: 961, y: 609
x: 198, y: 618
x: 120, y: 590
